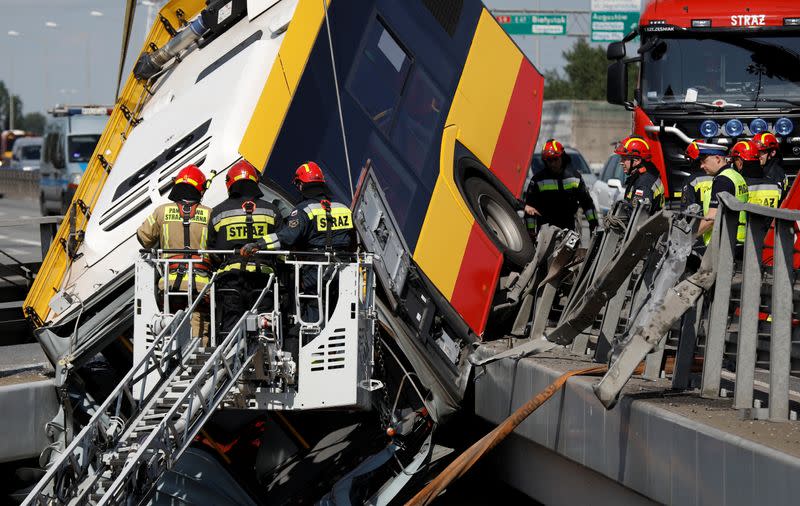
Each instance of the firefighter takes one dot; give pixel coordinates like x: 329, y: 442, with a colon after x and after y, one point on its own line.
x: 243, y: 218
x: 713, y: 161
x: 770, y: 159
x: 760, y: 190
x: 315, y: 224
x: 698, y: 186
x: 557, y: 191
x: 182, y: 224
x: 643, y: 182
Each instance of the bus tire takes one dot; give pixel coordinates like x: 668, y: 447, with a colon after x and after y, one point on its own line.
x: 499, y: 220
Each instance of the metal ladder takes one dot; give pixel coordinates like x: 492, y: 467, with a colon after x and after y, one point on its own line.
x: 115, y: 460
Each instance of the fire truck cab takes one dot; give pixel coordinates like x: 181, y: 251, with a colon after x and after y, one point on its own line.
x: 713, y: 71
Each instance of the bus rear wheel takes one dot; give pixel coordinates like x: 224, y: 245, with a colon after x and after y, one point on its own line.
x: 502, y: 224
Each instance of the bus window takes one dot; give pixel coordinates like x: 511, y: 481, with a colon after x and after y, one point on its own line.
x: 399, y: 186
x: 380, y: 72
x: 417, y: 119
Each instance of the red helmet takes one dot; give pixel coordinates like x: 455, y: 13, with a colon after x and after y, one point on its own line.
x: 746, y: 150
x: 552, y: 149
x: 693, y: 151
x: 309, y: 172
x: 240, y: 170
x: 765, y: 141
x: 634, y: 147
x: 192, y: 176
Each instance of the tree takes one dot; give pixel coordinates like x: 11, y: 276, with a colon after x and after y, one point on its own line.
x: 33, y: 122
x: 5, y: 117
x: 585, y: 75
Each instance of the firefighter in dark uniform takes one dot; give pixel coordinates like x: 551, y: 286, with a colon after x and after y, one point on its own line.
x: 183, y: 224
x: 556, y: 192
x: 315, y: 224
x: 761, y: 190
x: 643, y: 182
x: 770, y: 159
x: 243, y: 218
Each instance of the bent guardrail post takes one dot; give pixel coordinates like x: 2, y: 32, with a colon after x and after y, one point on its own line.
x: 610, y: 278
x: 657, y: 315
x: 612, y: 313
x: 563, y: 254
x: 523, y: 286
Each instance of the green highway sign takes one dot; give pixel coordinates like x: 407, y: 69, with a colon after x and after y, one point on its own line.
x: 533, y: 24
x: 611, y: 26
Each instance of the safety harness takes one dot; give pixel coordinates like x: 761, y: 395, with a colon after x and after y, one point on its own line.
x: 326, y: 205
x: 187, y: 211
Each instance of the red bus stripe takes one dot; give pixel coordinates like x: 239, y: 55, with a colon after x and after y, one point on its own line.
x: 477, y: 279
x: 517, y: 139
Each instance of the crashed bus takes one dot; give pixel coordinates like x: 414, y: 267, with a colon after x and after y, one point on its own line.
x: 424, y: 116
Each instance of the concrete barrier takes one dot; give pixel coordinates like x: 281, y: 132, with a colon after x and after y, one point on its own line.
x: 19, y: 184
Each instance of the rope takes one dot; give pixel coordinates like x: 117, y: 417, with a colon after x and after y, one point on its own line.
x: 338, y: 99
x: 613, y: 222
x: 469, y: 457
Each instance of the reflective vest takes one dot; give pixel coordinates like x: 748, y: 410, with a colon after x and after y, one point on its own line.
x: 741, y: 194
x: 762, y: 192
x: 178, y: 226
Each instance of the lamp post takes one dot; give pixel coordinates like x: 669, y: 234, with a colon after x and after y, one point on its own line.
x: 11, y: 104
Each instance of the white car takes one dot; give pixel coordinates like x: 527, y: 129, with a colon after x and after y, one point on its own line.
x: 609, y: 188
x: 26, y: 153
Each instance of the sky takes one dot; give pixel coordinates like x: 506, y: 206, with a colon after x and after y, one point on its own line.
x: 74, y: 60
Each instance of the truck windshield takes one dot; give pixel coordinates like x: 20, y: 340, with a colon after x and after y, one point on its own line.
x: 728, y: 69
x: 81, y: 147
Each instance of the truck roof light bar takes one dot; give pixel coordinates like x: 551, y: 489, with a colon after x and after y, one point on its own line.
x: 701, y: 23
x: 78, y: 110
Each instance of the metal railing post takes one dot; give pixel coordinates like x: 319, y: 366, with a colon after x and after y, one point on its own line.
x: 749, y: 303
x: 725, y: 235
x: 781, y: 338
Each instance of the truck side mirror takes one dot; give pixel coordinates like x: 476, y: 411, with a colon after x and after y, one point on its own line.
x: 617, y: 83
x: 615, y: 183
x: 615, y: 51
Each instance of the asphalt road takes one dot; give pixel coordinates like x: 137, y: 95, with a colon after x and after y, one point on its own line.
x: 19, y: 241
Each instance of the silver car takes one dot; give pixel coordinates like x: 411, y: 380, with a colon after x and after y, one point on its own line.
x: 607, y: 190
x: 27, y: 153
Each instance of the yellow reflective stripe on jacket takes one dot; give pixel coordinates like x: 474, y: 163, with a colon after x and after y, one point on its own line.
x: 768, y: 195
x: 164, y: 235
x: 242, y: 219
x: 571, y: 182
x: 341, y: 218
x: 249, y: 267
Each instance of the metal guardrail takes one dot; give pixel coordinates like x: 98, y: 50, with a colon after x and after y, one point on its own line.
x: 634, y: 299
x: 752, y: 302
x: 20, y: 184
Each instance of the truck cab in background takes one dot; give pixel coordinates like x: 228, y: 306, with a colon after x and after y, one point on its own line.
x: 712, y: 71
x: 70, y: 137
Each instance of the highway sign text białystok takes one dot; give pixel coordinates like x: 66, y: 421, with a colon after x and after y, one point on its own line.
x: 533, y: 24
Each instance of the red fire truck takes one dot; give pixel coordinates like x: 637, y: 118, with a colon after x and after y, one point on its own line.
x: 713, y: 70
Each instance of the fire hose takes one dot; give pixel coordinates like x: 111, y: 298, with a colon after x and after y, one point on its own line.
x: 471, y: 455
